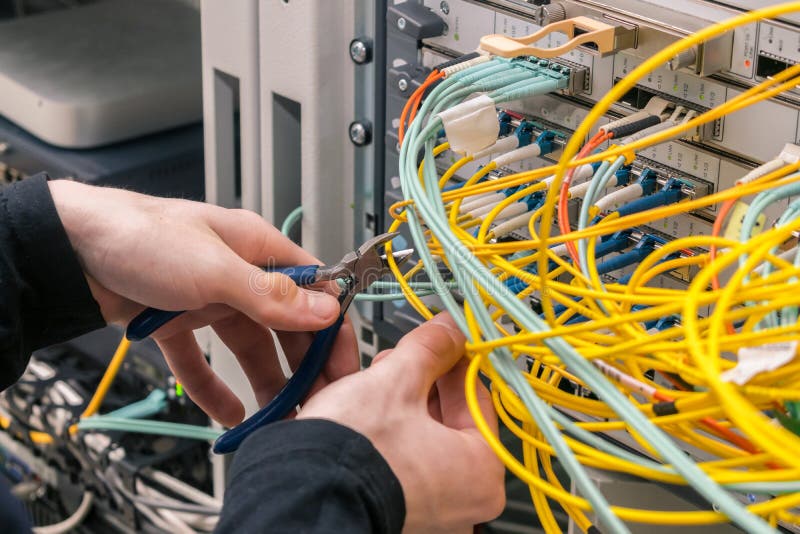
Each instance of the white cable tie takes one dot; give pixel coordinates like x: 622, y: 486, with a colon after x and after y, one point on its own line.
x: 502, y: 146
x: 471, y: 125
x: 531, y: 151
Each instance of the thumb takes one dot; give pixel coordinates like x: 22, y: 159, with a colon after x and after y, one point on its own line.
x: 426, y: 353
x: 275, y: 301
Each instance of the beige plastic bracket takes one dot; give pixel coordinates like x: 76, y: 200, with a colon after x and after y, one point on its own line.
x: 580, y: 30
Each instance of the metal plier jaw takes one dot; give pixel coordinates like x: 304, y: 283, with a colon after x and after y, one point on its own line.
x: 362, y: 267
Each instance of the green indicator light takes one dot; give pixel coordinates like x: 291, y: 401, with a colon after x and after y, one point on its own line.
x: 179, y: 389
x: 702, y: 97
x: 675, y: 87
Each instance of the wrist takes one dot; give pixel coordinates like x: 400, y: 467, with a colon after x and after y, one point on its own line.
x: 71, y: 210
x: 69, y: 198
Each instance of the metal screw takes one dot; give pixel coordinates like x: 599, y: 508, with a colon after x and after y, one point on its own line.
x: 360, y: 133
x: 402, y: 84
x: 445, y: 7
x: 360, y: 50
x: 401, y: 23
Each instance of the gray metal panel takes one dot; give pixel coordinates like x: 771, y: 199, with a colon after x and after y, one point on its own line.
x: 303, y: 56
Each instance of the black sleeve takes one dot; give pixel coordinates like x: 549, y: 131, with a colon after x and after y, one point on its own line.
x: 311, y: 476
x: 44, y: 294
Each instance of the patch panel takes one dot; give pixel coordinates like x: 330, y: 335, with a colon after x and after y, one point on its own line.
x: 701, y: 163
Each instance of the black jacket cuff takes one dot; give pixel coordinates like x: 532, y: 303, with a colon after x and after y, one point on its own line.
x: 313, y: 475
x: 55, y: 301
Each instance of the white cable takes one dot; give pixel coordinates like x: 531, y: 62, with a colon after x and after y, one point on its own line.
x: 492, y: 198
x: 182, y: 488
x: 72, y: 521
x: 518, y: 221
x: 655, y: 107
x: 669, y: 123
x: 502, y: 145
x: 159, y: 499
x: 153, y: 517
x: 205, y: 522
x: 531, y: 151
x: 452, y: 69
x: 560, y: 250
x: 758, y: 172
x: 584, y: 172
x: 509, y: 211
x: 620, y: 196
x: 178, y: 525
x: 511, y: 225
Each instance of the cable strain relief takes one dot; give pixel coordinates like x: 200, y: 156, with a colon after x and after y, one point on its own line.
x: 466, y: 57
x: 631, y: 128
x: 662, y: 409
x: 465, y: 64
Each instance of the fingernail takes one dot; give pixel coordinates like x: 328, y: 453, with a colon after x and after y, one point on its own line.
x: 322, y: 305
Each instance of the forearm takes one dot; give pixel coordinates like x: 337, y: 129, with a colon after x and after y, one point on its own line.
x: 311, y: 476
x: 44, y: 292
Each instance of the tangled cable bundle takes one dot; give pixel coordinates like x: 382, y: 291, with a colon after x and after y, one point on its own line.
x: 707, y: 368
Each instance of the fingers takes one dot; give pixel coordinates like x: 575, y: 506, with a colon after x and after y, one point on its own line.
x: 192, y: 320
x: 273, y: 300
x: 426, y: 353
x: 434, y: 405
x: 255, y: 351
x: 454, y: 408
x: 254, y: 239
x: 344, y: 358
x: 205, y: 388
x: 269, y: 299
x: 380, y: 356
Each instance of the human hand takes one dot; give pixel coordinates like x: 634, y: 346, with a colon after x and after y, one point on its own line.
x: 411, y: 405
x: 139, y: 251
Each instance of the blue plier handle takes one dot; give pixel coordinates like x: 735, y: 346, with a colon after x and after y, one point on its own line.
x: 359, y: 269
x: 290, y: 395
x: 151, y: 319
